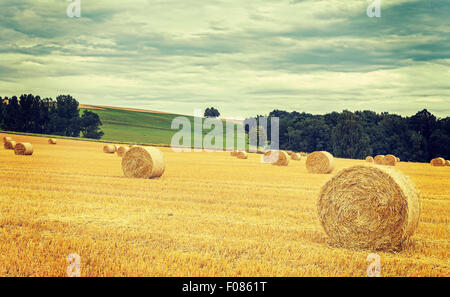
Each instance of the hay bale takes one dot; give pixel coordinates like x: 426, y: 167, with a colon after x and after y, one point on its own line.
x: 122, y: 151
x: 389, y: 160
x: 369, y: 207
x: 296, y: 157
x: 24, y: 149
x: 369, y: 159
x: 290, y: 153
x: 6, y: 139
x: 242, y: 155
x: 278, y: 158
x: 52, y: 141
x: 9, y: 145
x: 378, y: 159
x: 234, y: 153
x: 320, y: 162
x: 438, y: 162
x: 447, y: 163
x: 109, y: 149
x: 143, y: 162
x: 398, y: 159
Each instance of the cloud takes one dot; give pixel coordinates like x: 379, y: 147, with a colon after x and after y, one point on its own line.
x: 245, y: 58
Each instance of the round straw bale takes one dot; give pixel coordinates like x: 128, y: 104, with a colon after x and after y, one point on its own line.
x: 52, y: 141
x: 369, y: 207
x: 369, y: 159
x: 296, y: 157
x: 389, y: 160
x: 398, y: 159
x: 23, y: 148
x: 378, y: 159
x: 289, y: 152
x: 9, y: 145
x: 6, y: 139
x: 320, y: 162
x: 438, y: 162
x: 242, y: 155
x: 234, y: 153
x: 278, y: 158
x: 447, y: 163
x: 143, y: 162
x: 109, y: 149
x: 122, y: 151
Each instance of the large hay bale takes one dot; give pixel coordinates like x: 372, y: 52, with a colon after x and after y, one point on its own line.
x: 296, y: 156
x: 143, y: 162
x: 389, y: 160
x: 438, y: 162
x: 369, y: 159
x: 109, y: 149
x: 6, y: 139
x: 52, y: 141
x: 122, y: 151
x: 24, y: 148
x: 9, y: 145
x: 369, y: 207
x: 278, y: 158
x: 378, y: 159
x: 242, y: 155
x: 320, y: 162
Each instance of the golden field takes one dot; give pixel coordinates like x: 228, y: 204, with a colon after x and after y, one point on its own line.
x: 209, y: 215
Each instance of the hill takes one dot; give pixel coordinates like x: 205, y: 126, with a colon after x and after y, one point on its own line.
x: 137, y: 125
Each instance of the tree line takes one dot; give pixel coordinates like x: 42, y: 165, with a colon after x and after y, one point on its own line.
x: 355, y: 135
x: 32, y: 114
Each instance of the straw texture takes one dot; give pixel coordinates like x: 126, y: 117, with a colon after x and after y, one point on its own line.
x: 369, y: 207
x: 24, y: 148
x: 143, y: 162
x: 122, y: 151
x: 320, y: 162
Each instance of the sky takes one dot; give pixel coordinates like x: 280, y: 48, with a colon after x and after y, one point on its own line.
x: 245, y: 58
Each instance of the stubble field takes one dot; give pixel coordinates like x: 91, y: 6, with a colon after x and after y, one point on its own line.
x: 209, y: 215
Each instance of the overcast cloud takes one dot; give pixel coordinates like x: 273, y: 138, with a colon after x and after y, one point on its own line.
x: 242, y: 57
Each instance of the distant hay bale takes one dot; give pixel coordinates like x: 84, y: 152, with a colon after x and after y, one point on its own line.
x: 369, y: 207
x: 296, y: 157
x: 320, y: 162
x: 234, y: 153
x: 109, y: 149
x: 290, y: 153
x: 143, y: 162
x: 6, y: 139
x: 303, y: 154
x: 378, y: 159
x: 24, y: 148
x: 242, y: 155
x: 116, y: 146
x: 122, y: 151
x: 52, y: 141
x: 398, y: 159
x: 278, y: 158
x: 369, y: 159
x: 438, y: 162
x: 9, y: 145
x: 389, y: 160
x: 447, y: 163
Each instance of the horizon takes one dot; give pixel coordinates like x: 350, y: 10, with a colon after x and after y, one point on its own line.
x: 306, y: 56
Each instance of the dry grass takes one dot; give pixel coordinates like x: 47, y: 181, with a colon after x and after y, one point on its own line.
x: 228, y: 217
x: 369, y: 207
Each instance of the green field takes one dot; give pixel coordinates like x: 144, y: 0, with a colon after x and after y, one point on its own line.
x: 139, y: 127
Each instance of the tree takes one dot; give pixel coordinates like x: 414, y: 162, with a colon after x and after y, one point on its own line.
x: 90, y: 123
x: 349, y: 139
x: 211, y: 113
